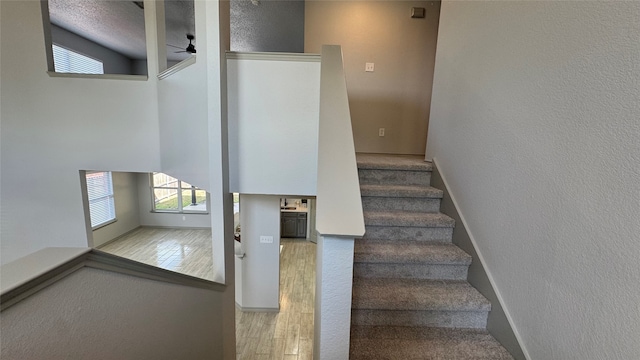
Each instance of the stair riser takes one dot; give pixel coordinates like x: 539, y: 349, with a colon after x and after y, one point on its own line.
x: 394, y: 177
x: 410, y: 271
x: 409, y: 233
x: 433, y: 318
x: 402, y: 204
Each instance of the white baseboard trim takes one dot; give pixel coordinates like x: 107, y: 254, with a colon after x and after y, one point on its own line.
x: 482, y: 261
x: 253, y: 309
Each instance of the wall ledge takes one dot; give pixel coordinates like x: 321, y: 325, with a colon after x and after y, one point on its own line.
x: 273, y: 56
x: 54, y: 74
x: 28, y: 275
x: 177, y: 67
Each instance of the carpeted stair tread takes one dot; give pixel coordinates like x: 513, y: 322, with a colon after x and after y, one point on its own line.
x: 392, y: 162
x: 406, y: 218
x: 407, y: 191
x: 416, y: 294
x: 384, y: 251
x: 404, y: 342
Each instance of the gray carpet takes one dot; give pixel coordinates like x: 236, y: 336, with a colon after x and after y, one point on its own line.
x: 410, y: 296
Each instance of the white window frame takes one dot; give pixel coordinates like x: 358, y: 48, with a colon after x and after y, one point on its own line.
x: 179, y: 189
x: 109, y: 196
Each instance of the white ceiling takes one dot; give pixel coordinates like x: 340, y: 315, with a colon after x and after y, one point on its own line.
x: 119, y: 25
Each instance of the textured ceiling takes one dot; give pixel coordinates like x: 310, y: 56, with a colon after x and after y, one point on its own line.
x: 119, y: 25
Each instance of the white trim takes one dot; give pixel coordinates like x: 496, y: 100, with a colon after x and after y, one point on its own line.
x: 253, y: 309
x: 177, y: 67
x: 273, y: 56
x: 482, y: 261
x: 98, y: 76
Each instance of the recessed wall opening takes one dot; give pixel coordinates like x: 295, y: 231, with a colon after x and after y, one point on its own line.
x: 275, y: 277
x: 180, y: 31
x: 82, y: 34
x: 151, y: 218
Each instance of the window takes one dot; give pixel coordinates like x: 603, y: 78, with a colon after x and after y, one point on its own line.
x: 67, y: 61
x: 173, y: 195
x: 100, y: 193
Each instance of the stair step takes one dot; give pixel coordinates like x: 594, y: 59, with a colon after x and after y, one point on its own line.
x: 406, y: 342
x: 412, y: 302
x: 400, y: 191
x: 406, y: 233
x: 380, y: 202
x: 382, y: 251
x: 407, y: 218
x: 406, y: 177
x: 392, y: 162
x: 415, y: 294
x: 410, y: 260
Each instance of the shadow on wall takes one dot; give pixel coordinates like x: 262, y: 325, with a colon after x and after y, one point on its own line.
x: 397, y: 116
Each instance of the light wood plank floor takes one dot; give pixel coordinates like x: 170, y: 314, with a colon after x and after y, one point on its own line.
x: 187, y: 251
x: 288, y: 334
x: 284, y: 335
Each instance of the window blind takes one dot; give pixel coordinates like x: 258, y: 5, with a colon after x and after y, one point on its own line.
x: 100, y: 194
x: 67, y: 61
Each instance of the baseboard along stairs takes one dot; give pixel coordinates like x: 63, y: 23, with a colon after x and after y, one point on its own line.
x: 411, y: 298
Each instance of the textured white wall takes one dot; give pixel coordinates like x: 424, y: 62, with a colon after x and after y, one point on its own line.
x: 534, y: 123
x: 332, y: 315
x: 270, y: 26
x: 273, y: 126
x: 52, y: 128
x: 96, y: 314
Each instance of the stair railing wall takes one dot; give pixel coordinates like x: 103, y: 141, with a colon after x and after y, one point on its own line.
x: 339, y: 217
x: 55, y: 299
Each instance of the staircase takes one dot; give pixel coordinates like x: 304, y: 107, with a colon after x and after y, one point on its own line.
x: 411, y: 299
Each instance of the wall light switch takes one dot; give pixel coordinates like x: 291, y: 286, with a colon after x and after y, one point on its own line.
x: 381, y: 132
x: 368, y: 67
x: 266, y: 239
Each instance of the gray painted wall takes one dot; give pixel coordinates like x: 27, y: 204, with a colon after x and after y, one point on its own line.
x: 535, y: 126
x: 96, y: 314
x: 497, y: 322
x: 271, y: 26
x: 396, y: 96
x: 113, y: 62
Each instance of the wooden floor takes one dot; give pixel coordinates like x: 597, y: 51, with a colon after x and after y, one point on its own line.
x: 187, y: 251
x: 284, y: 335
x: 287, y: 335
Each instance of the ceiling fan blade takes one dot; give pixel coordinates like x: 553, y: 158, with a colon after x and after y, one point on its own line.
x: 177, y: 52
x: 177, y: 47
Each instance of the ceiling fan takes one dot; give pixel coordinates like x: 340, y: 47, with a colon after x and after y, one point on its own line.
x: 191, y: 49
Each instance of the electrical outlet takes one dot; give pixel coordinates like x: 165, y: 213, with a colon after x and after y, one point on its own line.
x: 368, y: 67
x: 381, y: 132
x: 266, y: 239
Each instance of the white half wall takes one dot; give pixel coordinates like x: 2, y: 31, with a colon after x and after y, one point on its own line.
x: 93, y: 314
x: 334, y: 281
x: 260, y: 267
x: 54, y: 127
x: 273, y: 125
x: 534, y: 122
